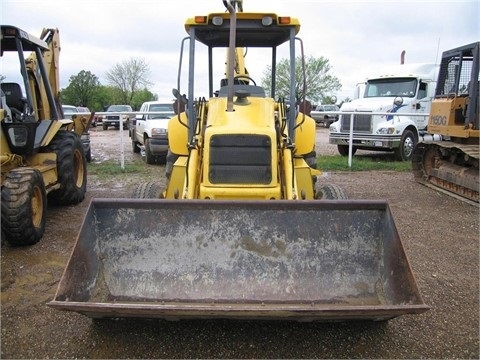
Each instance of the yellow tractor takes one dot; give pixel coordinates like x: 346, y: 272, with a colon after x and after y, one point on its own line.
x: 451, y: 166
x: 240, y: 231
x: 41, y: 154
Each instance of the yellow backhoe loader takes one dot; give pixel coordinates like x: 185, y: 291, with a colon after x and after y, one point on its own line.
x: 41, y: 154
x: 240, y: 231
x: 451, y: 166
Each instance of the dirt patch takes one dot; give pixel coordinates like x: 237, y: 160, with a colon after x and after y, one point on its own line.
x: 440, y: 235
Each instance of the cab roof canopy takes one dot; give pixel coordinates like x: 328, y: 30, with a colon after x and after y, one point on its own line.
x: 253, y: 29
x: 28, y: 42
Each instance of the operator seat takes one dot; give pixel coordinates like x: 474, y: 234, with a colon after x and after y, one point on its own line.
x: 14, y: 98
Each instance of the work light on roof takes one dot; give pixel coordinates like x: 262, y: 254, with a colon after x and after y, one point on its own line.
x: 267, y: 21
x: 217, y: 20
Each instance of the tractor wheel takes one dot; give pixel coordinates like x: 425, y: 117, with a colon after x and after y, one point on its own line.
x: 331, y: 192
x: 71, y: 167
x: 24, y: 206
x: 148, y: 190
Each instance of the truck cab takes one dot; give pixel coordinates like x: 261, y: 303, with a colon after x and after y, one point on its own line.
x: 404, y: 89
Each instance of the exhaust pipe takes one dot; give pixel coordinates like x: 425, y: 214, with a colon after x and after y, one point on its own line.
x: 231, y: 53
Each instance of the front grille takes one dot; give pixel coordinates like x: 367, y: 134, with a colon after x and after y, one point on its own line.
x: 113, y: 117
x: 361, y: 123
x: 240, y: 159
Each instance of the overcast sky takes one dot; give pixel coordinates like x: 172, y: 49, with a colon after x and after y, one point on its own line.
x: 357, y: 37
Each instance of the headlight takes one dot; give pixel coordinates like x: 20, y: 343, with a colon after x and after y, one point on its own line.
x: 158, y: 131
x: 332, y: 128
x: 386, y: 131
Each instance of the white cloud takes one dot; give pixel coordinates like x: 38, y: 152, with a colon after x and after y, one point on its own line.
x: 356, y: 36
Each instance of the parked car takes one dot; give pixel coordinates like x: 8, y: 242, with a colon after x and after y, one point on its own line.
x: 322, y: 118
x: 150, y: 132
x: 85, y: 110
x: 68, y: 112
x: 114, y: 120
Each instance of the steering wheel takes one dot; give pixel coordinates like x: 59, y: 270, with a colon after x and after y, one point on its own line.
x: 245, y: 77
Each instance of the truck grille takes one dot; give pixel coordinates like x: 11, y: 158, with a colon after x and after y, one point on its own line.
x: 361, y: 122
x: 113, y: 117
x: 240, y: 159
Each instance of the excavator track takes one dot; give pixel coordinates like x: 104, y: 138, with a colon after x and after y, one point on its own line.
x: 449, y: 167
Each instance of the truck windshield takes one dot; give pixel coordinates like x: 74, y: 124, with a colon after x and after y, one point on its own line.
x: 119, y: 108
x: 166, y: 108
x: 391, y: 87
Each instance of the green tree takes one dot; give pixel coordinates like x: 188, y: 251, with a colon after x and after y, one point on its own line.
x: 81, y: 89
x: 319, y: 83
x: 129, y: 77
x: 141, y: 96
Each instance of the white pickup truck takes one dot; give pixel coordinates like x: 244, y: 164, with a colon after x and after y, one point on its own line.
x: 149, y: 132
x: 321, y: 114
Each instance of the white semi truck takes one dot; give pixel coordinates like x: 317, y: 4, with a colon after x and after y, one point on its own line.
x: 407, y: 89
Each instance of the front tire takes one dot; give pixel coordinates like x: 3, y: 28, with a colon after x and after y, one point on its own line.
x: 407, y: 145
x: 135, y: 147
x: 148, y: 190
x: 24, y: 207
x: 343, y: 150
x: 331, y: 192
x: 149, y: 157
x: 71, y: 168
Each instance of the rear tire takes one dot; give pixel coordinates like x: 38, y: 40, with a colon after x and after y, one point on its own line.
x: 148, y: 190
x: 24, y: 207
x: 343, y: 150
x: 71, y: 167
x: 331, y: 192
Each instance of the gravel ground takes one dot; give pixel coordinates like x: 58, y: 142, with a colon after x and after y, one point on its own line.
x: 440, y: 235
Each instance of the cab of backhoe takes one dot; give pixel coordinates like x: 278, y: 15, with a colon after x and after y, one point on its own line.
x: 22, y: 131
x: 243, y: 142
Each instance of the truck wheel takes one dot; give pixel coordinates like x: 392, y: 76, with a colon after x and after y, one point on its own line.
x: 88, y: 155
x: 407, y: 144
x: 105, y: 127
x: 24, y: 206
x: 331, y: 192
x: 326, y: 122
x: 135, y: 148
x: 71, y: 167
x: 343, y: 150
x: 169, y: 162
x: 148, y: 190
x: 149, y: 157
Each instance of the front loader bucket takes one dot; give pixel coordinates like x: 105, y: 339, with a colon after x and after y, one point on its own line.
x: 299, y: 260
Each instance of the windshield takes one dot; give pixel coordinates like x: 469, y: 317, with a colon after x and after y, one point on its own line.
x: 69, y: 109
x: 119, y: 108
x: 391, y: 87
x: 167, y: 108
